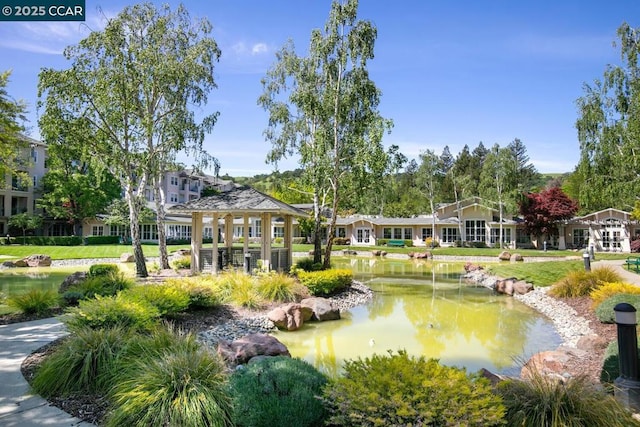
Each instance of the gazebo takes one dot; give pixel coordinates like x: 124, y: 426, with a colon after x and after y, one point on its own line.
x: 241, y: 202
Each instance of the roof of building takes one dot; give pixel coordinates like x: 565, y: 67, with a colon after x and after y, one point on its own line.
x: 238, y: 200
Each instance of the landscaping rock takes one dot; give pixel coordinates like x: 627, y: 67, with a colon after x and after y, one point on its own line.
x: 38, y: 260
x: 551, y: 363
x: 517, y: 258
x: 504, y: 256
x: 72, y: 280
x: 21, y: 263
x: 127, y: 257
x: 8, y: 264
x: 321, y: 308
x: 288, y: 317
x: 469, y: 267
x: 505, y: 286
x: 244, y: 349
x: 376, y: 252
x: 423, y: 255
x: 521, y: 287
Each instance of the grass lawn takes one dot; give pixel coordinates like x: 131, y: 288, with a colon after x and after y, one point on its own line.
x: 538, y: 273
x: 76, y: 252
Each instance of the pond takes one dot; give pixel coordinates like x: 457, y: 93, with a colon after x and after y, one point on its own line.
x: 19, y: 280
x: 425, y: 309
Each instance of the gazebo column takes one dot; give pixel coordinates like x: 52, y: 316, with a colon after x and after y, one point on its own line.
x: 196, y: 241
x: 288, y: 239
x: 228, y: 231
x: 265, y: 251
x: 214, y: 244
x: 245, y: 233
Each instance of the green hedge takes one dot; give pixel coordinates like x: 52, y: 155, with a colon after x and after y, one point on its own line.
x: 102, y: 240
x: 48, y: 240
x: 605, y: 312
x: 326, y: 282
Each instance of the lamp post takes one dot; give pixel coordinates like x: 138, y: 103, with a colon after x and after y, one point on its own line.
x: 627, y: 385
x: 587, y: 261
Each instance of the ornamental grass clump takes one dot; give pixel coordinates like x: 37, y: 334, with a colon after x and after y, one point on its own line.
x: 278, y: 391
x: 278, y: 287
x: 179, y: 387
x: 239, y: 289
x: 399, y: 390
x: 82, y: 363
x: 545, y: 401
x: 35, y: 301
x: 581, y: 283
x: 203, y: 291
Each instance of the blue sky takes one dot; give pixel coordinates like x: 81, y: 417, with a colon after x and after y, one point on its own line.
x: 451, y: 73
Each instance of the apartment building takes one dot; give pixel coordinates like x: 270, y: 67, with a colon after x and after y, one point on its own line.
x: 18, y: 196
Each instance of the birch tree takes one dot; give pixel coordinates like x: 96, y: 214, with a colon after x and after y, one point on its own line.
x: 128, y: 94
x: 323, y: 107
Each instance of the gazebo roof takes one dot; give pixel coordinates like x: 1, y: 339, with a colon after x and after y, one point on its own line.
x: 238, y: 200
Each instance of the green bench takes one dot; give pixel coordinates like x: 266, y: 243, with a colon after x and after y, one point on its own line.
x: 633, y: 261
x: 398, y: 243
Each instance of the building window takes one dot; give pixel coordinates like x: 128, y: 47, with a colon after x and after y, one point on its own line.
x: 173, y: 197
x: 386, y: 233
x: 450, y: 235
x: 397, y: 233
x: 149, y: 232
x: 35, y: 181
x: 495, y: 235
x: 475, y: 231
x: 238, y: 231
x: 177, y: 231
x: 522, y: 237
x: 258, y: 227
x: 408, y: 233
x: 97, y: 230
x: 427, y: 233
x: 34, y: 154
x: 580, y: 237
x: 174, y: 180
x: 278, y: 231
x: 119, y: 230
x: 341, y: 232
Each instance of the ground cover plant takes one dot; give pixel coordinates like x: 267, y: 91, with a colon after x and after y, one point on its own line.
x: 325, y: 282
x: 610, y: 289
x: 278, y: 391
x: 604, y: 311
x: 398, y: 390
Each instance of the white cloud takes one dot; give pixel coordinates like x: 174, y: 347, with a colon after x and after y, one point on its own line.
x: 259, y: 48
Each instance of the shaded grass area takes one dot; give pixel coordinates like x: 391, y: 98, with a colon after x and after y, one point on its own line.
x: 77, y: 252
x: 538, y: 273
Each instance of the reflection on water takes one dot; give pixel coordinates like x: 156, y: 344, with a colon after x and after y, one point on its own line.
x: 423, y: 308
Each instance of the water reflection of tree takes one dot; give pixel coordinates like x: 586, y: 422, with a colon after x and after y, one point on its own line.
x: 445, y: 315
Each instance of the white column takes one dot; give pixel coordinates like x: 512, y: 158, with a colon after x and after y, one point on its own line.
x: 245, y: 234
x: 288, y: 238
x: 214, y: 244
x: 266, y: 239
x: 196, y: 241
x: 228, y: 230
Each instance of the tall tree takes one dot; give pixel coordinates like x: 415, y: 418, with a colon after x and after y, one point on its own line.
x: 543, y: 211
x: 430, y: 176
x: 12, y: 118
x: 497, y: 181
x: 527, y: 176
x: 72, y: 191
x: 447, y: 188
x: 609, y: 131
x: 330, y: 117
x: 25, y: 221
x: 127, y: 97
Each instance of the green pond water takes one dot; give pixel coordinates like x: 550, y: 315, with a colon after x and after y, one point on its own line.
x: 425, y: 309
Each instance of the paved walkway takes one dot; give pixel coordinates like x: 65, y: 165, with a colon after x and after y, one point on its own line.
x: 618, y: 265
x: 18, y: 407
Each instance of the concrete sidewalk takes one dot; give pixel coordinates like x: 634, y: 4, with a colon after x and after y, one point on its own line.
x: 618, y: 264
x: 18, y: 407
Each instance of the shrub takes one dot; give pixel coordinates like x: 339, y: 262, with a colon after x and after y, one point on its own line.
x: 167, y: 298
x: 396, y: 389
x: 108, y: 284
x: 429, y: 242
x: 103, y: 270
x: 344, y: 241
x: 35, y: 301
x: 278, y: 287
x: 81, y: 363
x: 201, y: 290
x: 545, y: 401
x: 278, y: 391
x: 326, y: 282
x: 72, y: 298
x: 299, y: 240
x: 182, y: 262
x: 611, y: 363
x: 181, y: 387
x: 239, y: 288
x: 108, y: 312
x: 307, y: 264
x: 604, y: 311
x: 51, y: 240
x: 607, y: 290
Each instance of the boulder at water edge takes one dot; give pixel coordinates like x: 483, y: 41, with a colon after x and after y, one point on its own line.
x: 553, y: 363
x: 289, y: 316
x: 38, y: 260
x: 72, y: 280
x: 504, y: 256
x: 321, y: 308
x: 127, y: 257
x: 244, y: 349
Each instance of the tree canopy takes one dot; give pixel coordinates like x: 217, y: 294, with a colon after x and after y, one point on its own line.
x: 544, y: 210
x: 127, y: 98
x: 12, y: 119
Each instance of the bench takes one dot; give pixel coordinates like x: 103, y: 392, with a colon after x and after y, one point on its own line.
x: 633, y: 261
x: 398, y: 243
